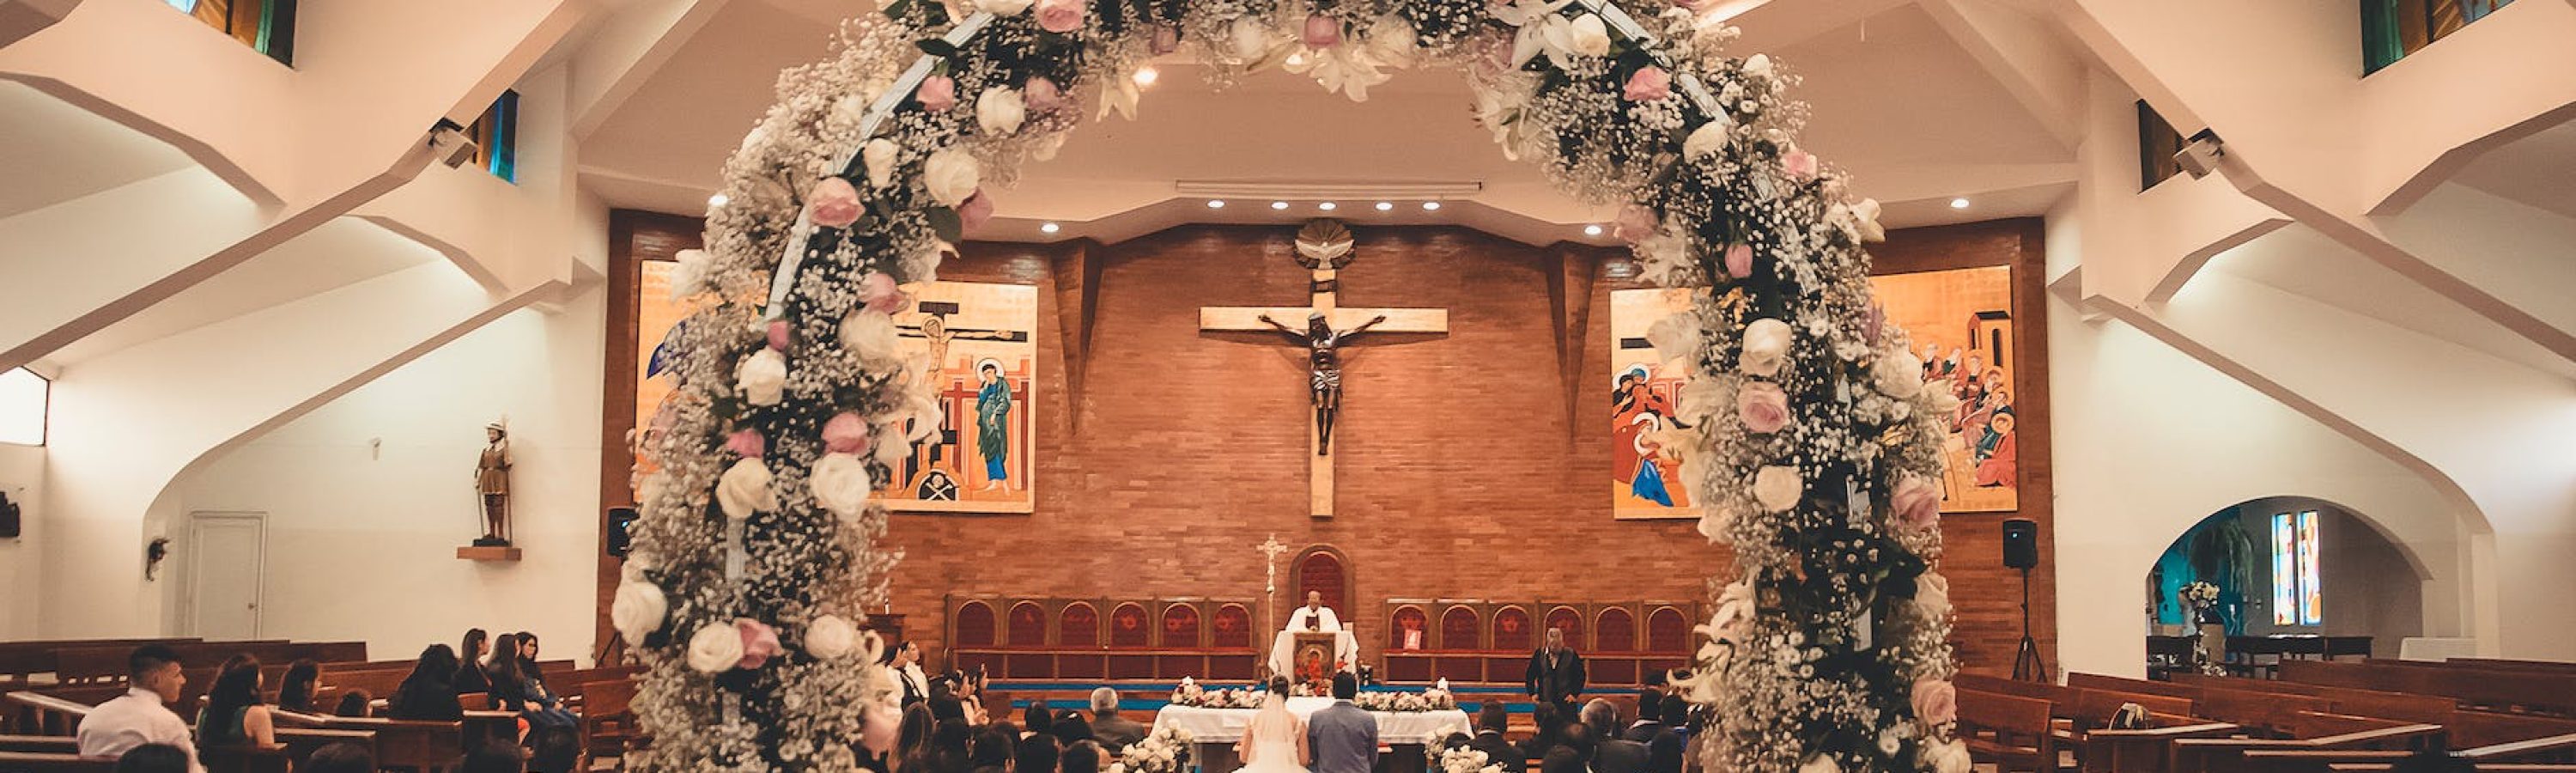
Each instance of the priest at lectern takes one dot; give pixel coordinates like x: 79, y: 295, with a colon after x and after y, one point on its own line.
x: 1312, y: 621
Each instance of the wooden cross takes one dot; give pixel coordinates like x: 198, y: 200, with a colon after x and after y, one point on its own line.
x: 1323, y: 247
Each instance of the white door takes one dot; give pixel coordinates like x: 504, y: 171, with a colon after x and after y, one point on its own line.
x: 225, y: 553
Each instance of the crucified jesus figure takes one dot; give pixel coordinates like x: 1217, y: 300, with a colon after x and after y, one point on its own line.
x: 1324, y: 365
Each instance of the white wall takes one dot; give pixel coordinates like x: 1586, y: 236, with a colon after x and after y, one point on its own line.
x: 22, y: 475
x: 361, y: 544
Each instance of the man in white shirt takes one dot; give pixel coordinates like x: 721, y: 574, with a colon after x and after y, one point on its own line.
x: 142, y: 715
x: 1314, y: 616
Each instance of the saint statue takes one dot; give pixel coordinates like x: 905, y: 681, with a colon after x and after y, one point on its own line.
x: 492, y: 483
x: 1324, y: 366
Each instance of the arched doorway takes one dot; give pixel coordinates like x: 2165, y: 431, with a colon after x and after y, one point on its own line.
x: 2295, y: 577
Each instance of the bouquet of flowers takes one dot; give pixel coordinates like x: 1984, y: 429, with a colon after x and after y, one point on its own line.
x: 1428, y: 700
x: 2200, y: 595
x: 1464, y: 759
x: 1166, y: 750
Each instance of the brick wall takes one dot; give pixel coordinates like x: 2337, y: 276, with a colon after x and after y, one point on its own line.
x: 1470, y: 464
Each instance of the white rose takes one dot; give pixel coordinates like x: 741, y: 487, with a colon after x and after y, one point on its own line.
x: 1766, y: 345
x: 871, y: 336
x: 1000, y: 109
x: 891, y: 445
x: 1702, y: 399
x: 715, y: 648
x: 1004, y: 8
x: 1865, y: 221
x: 1948, y: 757
x: 1709, y: 138
x: 744, y: 489
x: 841, y: 485
x: 1250, y: 38
x: 1391, y: 41
x: 831, y: 637
x: 1758, y: 67
x: 1585, y: 35
x: 1897, y: 374
x: 1778, y: 487
x: 1675, y: 337
x: 638, y: 610
x: 951, y: 176
x: 689, y: 277
x: 1823, y: 763
x: 1932, y: 595
x: 880, y: 156
x: 762, y: 377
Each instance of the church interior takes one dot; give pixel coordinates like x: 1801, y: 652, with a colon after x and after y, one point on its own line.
x: 332, y: 330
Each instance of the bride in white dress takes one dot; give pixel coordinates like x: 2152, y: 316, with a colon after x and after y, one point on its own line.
x: 1275, y: 742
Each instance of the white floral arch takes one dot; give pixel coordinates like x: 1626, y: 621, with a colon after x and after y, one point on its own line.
x: 1809, y: 435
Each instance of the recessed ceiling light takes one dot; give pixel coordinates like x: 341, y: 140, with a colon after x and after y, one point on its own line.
x: 1278, y: 205
x: 718, y: 200
x: 1216, y: 203
x: 1959, y: 203
x: 1050, y: 228
x: 1328, y: 206
x: 1385, y: 205
x: 1145, y: 76
x: 1430, y: 206
x: 1592, y: 230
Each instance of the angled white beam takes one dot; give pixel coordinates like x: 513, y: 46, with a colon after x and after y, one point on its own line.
x: 626, y: 50
x: 2025, y: 54
x: 21, y: 18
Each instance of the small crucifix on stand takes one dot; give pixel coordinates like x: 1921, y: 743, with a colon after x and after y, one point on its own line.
x: 1270, y: 551
x: 1323, y: 247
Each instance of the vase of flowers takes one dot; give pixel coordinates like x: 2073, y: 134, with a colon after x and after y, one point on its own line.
x: 2208, y: 651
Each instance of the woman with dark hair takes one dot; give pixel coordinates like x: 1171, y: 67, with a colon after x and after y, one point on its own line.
x: 295, y: 690
x: 515, y: 687
x: 469, y: 669
x: 905, y: 658
x: 913, y: 735
x: 1037, y: 754
x: 502, y: 645
x: 1037, y: 720
x: 528, y: 652
x: 429, y: 692
x: 233, y: 715
x: 994, y: 747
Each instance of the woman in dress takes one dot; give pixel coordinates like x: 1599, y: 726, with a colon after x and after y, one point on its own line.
x: 296, y: 690
x: 469, y: 672
x: 1275, y: 742
x: 233, y: 715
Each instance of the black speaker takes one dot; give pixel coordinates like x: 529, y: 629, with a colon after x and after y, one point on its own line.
x: 2021, y: 543
x: 621, y: 522
x: 8, y: 517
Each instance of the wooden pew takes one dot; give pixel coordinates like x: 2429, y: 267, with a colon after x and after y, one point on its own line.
x: 2012, y: 732
x: 2146, y: 751
x: 2498, y: 664
x: 424, y: 747
x: 50, y: 744
x: 39, y: 762
x: 2426, y: 709
x: 608, y: 726
x: 2268, y: 715
x: 245, y: 758
x: 46, y: 714
x: 2531, y: 692
x: 2083, y: 681
x: 2216, y: 755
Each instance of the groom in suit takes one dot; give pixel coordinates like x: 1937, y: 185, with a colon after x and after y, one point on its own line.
x: 1342, y: 737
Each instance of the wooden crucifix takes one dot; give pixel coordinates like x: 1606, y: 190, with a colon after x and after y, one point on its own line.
x: 1323, y: 247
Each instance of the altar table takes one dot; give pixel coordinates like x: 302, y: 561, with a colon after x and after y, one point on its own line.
x: 1215, y: 731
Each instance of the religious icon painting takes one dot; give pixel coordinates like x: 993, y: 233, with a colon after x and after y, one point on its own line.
x: 1644, y: 390
x: 1961, y: 323
x: 979, y: 342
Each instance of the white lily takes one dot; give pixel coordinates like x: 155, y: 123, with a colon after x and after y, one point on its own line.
x: 1531, y: 17
x: 1117, y: 94
x: 1344, y: 69
x: 1584, y: 35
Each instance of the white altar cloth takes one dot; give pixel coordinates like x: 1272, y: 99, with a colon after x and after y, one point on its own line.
x: 1209, y: 726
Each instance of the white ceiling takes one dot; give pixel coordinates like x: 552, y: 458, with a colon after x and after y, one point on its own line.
x: 2539, y: 170
x: 52, y: 151
x: 2298, y: 259
x: 1894, y: 101
x: 339, y: 253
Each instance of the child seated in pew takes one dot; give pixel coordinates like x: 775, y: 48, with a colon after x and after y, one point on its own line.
x: 355, y: 703
x: 296, y: 690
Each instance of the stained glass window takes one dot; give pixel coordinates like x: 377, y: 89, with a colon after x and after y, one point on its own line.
x: 2391, y: 29
x: 2157, y: 144
x: 496, y: 137
x: 2311, y: 582
x: 2285, y: 573
x: 267, y: 26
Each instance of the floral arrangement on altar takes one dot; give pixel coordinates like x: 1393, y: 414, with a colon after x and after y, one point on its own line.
x: 1194, y: 696
x: 1165, y: 750
x: 1811, y: 440
x: 1434, y: 699
x: 2202, y: 597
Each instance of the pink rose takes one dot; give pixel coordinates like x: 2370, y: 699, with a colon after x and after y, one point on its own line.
x: 1917, y: 503
x: 1763, y: 407
x: 877, y: 727
x: 778, y: 334
x: 833, y: 203
x: 1739, y: 260
x: 1936, y: 702
x: 1060, y: 16
x: 1648, y: 85
x: 1636, y: 223
x: 1798, y: 164
x: 1323, y: 31
x: 747, y: 442
x: 975, y: 211
x: 938, y: 93
x: 1041, y: 95
x: 879, y: 292
x: 1167, y: 39
x: 846, y: 433
x: 759, y: 642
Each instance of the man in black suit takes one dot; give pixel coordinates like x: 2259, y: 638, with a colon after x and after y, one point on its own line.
x: 1612, y: 755
x: 1114, y: 732
x: 1490, y: 721
x: 1555, y: 673
x: 1342, y: 738
x: 1660, y: 719
x: 1650, y: 715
